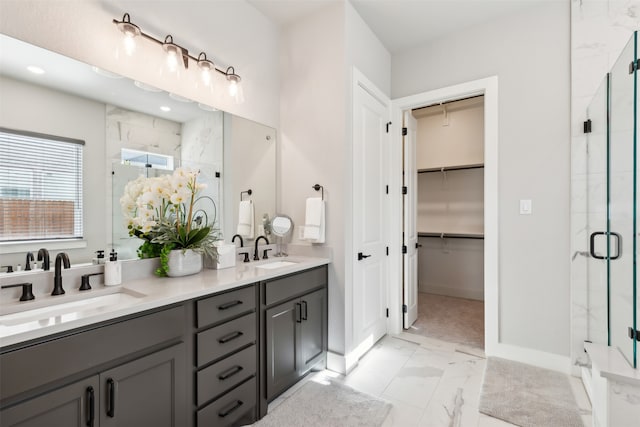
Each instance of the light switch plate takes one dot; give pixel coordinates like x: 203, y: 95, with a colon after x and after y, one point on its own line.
x: 525, y: 207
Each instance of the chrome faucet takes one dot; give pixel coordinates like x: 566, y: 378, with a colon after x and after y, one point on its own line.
x: 43, y: 255
x: 61, y: 259
x: 255, y: 254
x: 27, y: 266
x: 233, y: 240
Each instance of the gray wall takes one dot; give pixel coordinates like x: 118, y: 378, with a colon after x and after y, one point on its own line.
x: 530, y: 54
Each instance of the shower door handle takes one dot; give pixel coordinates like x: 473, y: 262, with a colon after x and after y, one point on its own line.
x: 618, y: 245
x: 592, y: 244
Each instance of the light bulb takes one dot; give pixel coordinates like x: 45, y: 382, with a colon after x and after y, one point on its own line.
x: 233, y: 88
x: 129, y: 43
x: 172, y: 61
x: 206, y: 77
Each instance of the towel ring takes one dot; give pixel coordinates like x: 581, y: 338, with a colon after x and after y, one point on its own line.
x: 247, y: 192
x: 318, y: 187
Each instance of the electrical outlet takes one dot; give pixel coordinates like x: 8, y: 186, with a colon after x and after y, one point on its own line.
x: 300, y: 232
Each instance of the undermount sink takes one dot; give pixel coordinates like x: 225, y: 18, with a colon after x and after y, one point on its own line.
x: 276, y: 264
x: 62, y: 312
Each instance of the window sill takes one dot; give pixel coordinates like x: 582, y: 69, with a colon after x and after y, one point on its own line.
x: 34, y: 245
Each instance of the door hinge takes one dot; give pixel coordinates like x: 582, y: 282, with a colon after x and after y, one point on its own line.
x: 633, y: 66
x: 404, y: 131
x: 387, y: 312
x: 634, y: 334
x: 387, y: 189
x: 586, y: 126
x: 387, y: 250
x: 404, y: 249
x: 404, y: 189
x: 388, y: 124
x: 218, y: 174
x: 404, y: 308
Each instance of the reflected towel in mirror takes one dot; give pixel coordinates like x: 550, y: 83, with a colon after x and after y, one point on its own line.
x: 314, y: 220
x: 245, y: 219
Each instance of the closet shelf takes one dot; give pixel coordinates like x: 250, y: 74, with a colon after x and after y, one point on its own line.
x: 452, y: 168
x: 452, y: 235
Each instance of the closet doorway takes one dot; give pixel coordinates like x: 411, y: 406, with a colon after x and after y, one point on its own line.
x: 443, y: 221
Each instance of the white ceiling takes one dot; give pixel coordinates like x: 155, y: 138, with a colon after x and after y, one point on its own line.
x: 402, y: 24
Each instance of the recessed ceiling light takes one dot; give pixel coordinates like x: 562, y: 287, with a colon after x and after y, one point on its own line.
x: 146, y: 87
x: 35, y: 70
x: 165, y: 108
x: 106, y: 73
x: 179, y: 98
x: 206, y: 107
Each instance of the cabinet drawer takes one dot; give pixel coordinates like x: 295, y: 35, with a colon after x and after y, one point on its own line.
x: 227, y: 373
x: 221, y: 307
x: 297, y: 284
x: 234, y: 408
x: 217, y: 342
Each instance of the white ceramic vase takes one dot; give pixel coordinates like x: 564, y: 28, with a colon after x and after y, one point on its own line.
x: 184, y: 262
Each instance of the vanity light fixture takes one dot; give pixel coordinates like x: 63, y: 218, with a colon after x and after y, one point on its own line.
x: 130, y: 31
x: 235, y: 87
x: 175, y: 52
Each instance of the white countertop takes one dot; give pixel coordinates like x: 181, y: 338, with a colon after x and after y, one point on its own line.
x: 150, y: 293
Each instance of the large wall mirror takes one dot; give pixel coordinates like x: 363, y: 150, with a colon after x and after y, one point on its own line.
x: 129, y: 129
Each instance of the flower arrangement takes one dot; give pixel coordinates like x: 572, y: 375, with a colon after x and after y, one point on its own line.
x: 162, y: 211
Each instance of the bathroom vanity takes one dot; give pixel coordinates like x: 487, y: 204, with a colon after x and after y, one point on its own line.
x: 209, y: 349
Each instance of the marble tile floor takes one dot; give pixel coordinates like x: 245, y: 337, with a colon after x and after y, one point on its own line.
x: 431, y: 383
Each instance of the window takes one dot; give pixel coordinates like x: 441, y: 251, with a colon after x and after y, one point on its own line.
x: 40, y: 186
x: 145, y: 159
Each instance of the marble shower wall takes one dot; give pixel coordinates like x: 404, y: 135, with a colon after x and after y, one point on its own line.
x: 599, y: 31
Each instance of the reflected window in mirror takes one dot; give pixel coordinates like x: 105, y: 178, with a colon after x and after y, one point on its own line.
x: 40, y: 186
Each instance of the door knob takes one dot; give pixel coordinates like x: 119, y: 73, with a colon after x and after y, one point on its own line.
x: 361, y: 256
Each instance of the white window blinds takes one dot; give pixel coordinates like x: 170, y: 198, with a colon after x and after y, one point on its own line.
x: 40, y: 186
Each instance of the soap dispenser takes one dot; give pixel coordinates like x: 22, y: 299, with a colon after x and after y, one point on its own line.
x: 99, y: 258
x: 112, y: 270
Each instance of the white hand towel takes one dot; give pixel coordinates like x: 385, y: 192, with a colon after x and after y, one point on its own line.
x: 245, y: 219
x: 314, y: 220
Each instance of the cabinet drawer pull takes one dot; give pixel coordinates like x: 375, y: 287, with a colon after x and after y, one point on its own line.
x: 229, y: 304
x: 298, y: 312
x: 111, y: 401
x: 235, y: 405
x: 230, y: 372
x: 304, y: 306
x: 232, y: 336
x: 91, y: 406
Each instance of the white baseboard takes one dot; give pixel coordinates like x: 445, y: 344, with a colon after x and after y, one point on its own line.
x: 337, y: 363
x: 538, y: 358
x: 476, y: 294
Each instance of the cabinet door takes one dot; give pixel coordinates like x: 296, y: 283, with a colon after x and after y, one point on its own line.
x: 149, y: 391
x: 73, y: 405
x: 282, y: 346
x: 312, y: 329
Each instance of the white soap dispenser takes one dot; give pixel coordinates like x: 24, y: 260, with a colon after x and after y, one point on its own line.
x: 112, y: 270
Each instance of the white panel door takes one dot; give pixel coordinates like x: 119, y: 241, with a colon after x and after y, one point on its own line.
x: 370, y: 212
x: 410, y: 176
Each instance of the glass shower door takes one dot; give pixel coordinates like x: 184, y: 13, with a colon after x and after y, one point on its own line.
x: 596, y: 203
x: 623, y: 203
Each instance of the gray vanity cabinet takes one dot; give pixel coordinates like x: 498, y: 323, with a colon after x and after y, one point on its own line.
x: 226, y: 358
x: 146, y: 391
x: 69, y: 406
x: 295, y: 330
x: 131, y: 372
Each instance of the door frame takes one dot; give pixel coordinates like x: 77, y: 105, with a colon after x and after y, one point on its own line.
x: 489, y: 88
